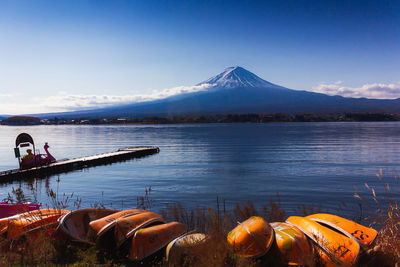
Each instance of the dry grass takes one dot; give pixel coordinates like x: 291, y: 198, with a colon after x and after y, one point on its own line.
x: 384, y: 216
x: 26, y: 251
x: 42, y: 249
x: 217, y: 223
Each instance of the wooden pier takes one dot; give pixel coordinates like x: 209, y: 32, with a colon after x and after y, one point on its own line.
x: 79, y: 163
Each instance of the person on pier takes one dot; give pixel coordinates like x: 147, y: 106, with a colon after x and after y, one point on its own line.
x: 29, y: 156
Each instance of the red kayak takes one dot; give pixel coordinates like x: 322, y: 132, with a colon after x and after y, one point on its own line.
x: 10, y: 209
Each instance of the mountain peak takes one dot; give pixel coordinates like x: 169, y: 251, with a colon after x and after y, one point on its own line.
x: 237, y: 77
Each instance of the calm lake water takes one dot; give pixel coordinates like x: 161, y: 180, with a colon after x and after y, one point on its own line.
x: 306, y: 163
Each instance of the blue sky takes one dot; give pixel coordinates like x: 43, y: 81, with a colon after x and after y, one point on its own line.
x: 65, y: 55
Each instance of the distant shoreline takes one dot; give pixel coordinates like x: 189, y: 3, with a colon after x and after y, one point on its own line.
x: 190, y: 119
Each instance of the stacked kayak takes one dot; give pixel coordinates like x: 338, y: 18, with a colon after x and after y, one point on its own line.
x: 31, y: 222
x: 74, y: 226
x: 139, y: 234
x: 136, y: 233
x: 292, y: 244
x: 334, y: 240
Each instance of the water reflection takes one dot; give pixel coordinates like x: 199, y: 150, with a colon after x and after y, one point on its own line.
x: 307, y: 163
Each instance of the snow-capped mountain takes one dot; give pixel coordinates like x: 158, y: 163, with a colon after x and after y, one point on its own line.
x: 236, y: 90
x: 234, y: 77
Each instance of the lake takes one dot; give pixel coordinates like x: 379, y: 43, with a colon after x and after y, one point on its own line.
x: 306, y: 163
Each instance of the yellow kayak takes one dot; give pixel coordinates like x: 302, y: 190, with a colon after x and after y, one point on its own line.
x: 337, y: 249
x: 292, y: 244
x: 365, y: 236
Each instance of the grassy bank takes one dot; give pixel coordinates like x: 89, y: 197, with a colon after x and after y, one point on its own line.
x: 216, y: 221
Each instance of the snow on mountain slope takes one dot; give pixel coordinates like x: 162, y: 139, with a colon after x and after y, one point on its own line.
x: 236, y: 90
x: 234, y: 77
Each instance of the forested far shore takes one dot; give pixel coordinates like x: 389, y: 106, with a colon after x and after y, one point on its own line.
x: 196, y: 118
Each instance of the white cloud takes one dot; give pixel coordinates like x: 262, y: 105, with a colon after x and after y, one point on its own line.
x: 70, y: 102
x: 375, y: 90
x: 6, y: 95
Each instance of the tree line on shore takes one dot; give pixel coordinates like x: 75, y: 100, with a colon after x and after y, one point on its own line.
x: 197, y: 118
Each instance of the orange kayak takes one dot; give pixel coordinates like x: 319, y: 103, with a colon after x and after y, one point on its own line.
x: 116, y: 233
x: 102, y: 224
x: 147, y: 241
x: 251, y: 238
x: 31, y: 221
x: 293, y: 244
x: 365, y: 236
x: 74, y: 226
x: 337, y: 249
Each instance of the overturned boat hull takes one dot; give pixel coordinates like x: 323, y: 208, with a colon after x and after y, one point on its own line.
x: 251, y: 238
x: 335, y: 249
x: 149, y: 240
x: 117, y: 232
x: 25, y: 223
x: 74, y: 226
x: 365, y: 236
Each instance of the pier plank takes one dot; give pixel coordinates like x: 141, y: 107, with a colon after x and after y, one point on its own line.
x: 79, y: 163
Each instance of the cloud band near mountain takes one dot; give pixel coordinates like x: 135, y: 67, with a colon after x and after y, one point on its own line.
x: 76, y: 102
x: 72, y: 102
x: 375, y: 90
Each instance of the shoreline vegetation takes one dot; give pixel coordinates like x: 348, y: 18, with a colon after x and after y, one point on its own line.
x: 197, y: 118
x: 216, y: 222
